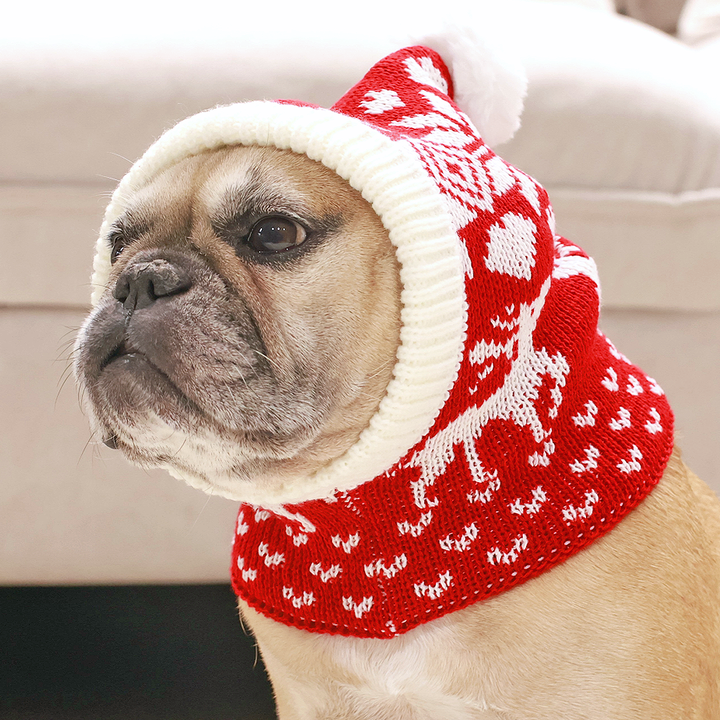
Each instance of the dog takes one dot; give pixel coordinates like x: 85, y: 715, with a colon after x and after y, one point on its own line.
x: 250, y: 329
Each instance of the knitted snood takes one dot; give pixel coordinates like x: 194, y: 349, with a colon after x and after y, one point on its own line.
x: 548, y: 438
x: 512, y: 434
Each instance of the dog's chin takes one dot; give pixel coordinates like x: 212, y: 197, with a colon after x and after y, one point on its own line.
x: 139, y: 410
x: 165, y: 431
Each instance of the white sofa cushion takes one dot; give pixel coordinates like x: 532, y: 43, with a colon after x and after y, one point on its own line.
x: 614, y: 104
x: 623, y: 130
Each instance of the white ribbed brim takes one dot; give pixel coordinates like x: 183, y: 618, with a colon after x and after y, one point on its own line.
x: 392, y: 178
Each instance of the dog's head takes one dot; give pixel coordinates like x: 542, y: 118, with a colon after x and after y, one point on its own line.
x: 280, y: 290
x: 250, y: 322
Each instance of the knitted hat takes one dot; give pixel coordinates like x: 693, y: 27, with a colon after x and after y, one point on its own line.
x: 358, y: 139
x: 512, y: 434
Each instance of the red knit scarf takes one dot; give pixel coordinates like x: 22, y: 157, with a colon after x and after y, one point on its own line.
x: 549, y: 436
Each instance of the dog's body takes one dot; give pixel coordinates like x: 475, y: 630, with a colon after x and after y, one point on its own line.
x: 234, y: 362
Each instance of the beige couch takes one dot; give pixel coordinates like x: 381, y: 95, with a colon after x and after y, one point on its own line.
x: 619, y: 125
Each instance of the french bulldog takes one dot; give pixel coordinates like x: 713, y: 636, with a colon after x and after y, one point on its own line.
x: 249, y: 329
x: 248, y: 332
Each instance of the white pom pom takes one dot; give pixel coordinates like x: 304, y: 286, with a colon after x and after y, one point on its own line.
x: 489, y: 77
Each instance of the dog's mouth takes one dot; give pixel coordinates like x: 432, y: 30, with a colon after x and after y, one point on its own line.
x: 124, y: 357
x: 138, y: 380
x: 125, y: 350
x: 130, y: 383
x: 129, y: 359
x: 128, y: 355
x: 136, y: 397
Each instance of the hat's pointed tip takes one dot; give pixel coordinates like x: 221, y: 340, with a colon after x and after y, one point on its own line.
x: 488, y: 77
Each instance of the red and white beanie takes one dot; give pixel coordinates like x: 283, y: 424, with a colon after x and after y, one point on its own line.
x: 512, y: 434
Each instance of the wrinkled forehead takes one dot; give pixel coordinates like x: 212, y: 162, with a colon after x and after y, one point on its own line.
x: 236, y: 179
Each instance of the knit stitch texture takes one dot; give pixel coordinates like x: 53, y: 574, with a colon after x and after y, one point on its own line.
x: 548, y: 438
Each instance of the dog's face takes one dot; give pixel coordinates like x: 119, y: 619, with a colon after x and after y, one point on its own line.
x: 251, y: 321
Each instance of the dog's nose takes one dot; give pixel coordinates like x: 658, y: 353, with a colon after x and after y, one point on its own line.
x: 142, y: 283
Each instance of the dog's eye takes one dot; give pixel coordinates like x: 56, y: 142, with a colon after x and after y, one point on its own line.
x: 117, y: 245
x: 276, y: 234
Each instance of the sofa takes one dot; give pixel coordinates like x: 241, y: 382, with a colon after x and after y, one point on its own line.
x: 621, y: 124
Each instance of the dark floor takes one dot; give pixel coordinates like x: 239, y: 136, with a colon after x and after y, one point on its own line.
x: 128, y: 653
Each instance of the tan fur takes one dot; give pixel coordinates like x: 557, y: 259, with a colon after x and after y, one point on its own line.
x: 628, y: 629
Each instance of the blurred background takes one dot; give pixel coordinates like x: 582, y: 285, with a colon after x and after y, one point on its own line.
x: 114, y: 595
